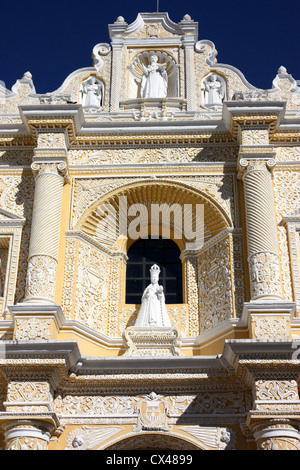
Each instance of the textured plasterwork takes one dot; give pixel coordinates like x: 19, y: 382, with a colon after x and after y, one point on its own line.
x: 152, y: 155
x: 287, y: 200
x: 215, y: 285
x: 92, y: 288
x: 110, y: 406
x: 16, y: 196
x: 86, y: 191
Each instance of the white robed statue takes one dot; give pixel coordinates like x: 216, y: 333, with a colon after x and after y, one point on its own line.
x: 92, y: 93
x: 153, y: 310
x: 155, y: 80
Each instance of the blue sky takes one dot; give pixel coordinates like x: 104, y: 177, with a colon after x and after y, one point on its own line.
x: 52, y: 39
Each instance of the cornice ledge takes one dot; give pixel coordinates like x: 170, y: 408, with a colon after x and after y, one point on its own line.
x: 237, y: 112
x: 259, y: 349
x: 207, y: 365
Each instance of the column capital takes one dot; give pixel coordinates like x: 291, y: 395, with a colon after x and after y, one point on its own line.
x: 57, y: 165
x: 249, y: 163
x: 50, y: 155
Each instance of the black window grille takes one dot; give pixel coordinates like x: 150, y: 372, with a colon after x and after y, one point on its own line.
x: 141, y: 256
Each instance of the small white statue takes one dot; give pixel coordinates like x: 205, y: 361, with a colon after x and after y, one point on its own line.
x: 155, y: 80
x: 92, y: 93
x: 153, y: 310
x: 213, y: 91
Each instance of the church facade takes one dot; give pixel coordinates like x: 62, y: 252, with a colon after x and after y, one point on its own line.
x: 150, y: 252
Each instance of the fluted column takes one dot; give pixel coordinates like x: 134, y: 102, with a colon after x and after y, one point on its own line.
x: 50, y: 168
x: 263, y: 258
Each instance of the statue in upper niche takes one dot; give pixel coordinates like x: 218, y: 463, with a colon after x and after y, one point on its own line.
x: 92, y: 93
x: 153, y: 310
x: 214, y: 91
x: 154, y: 80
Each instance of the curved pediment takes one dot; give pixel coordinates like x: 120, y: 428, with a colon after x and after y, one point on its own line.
x: 153, y: 25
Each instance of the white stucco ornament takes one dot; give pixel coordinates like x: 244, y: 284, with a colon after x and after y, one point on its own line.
x: 154, y: 80
x: 153, y: 308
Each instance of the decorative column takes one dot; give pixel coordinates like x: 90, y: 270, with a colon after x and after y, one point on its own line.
x: 26, y: 435
x: 276, y: 435
x: 263, y: 257
x: 28, y: 420
x: 50, y: 168
x: 274, y: 418
x: 268, y: 315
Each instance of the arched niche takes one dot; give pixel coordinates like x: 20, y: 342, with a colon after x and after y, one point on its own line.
x: 130, y: 212
x: 91, y: 94
x: 107, y: 228
x: 214, y: 90
x: 136, y: 72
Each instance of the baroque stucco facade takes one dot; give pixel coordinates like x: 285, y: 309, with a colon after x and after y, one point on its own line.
x: 74, y: 373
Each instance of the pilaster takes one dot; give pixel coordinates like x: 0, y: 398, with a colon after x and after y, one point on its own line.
x: 116, y: 69
x: 188, y: 42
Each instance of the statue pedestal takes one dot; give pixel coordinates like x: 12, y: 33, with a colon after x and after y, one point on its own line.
x: 152, y: 341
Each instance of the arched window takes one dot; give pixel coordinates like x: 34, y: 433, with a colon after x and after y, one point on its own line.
x: 141, y: 256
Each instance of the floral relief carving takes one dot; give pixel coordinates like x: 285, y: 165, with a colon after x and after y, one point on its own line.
x: 280, y: 444
x: 32, y: 329
x: 206, y: 402
x: 16, y: 196
x: 192, y: 295
x: 69, y: 275
x: 41, y: 276
x: 287, y: 197
x: 88, y: 191
x: 286, y: 192
x: 288, y: 154
x: 284, y: 256
x: 257, y: 137
x: 27, y: 443
x: 215, y: 285
x: 28, y: 392
x: 271, y: 327
x: 264, y: 275
x: 152, y: 155
x: 92, y: 288
x: 51, y: 140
